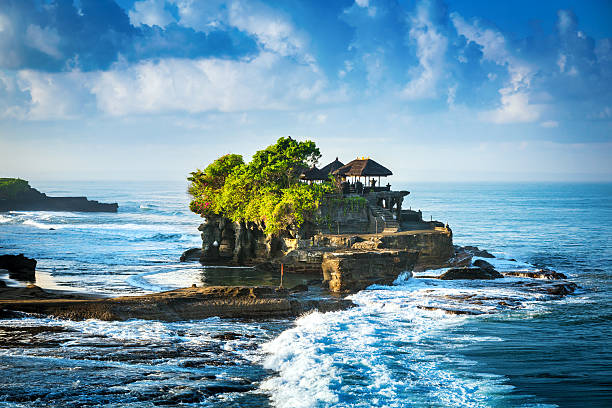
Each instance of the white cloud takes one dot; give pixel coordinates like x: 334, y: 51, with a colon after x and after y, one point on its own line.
x: 561, y: 61
x: 273, y: 30
x: 431, y: 49
x: 514, y: 100
x: 169, y: 85
x: 150, y: 12
x: 53, y: 96
x: 266, y: 82
x: 550, y: 124
x: 43, y: 39
x: 515, y: 108
x: 5, y: 23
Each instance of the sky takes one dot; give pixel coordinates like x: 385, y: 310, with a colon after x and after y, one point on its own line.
x: 435, y: 90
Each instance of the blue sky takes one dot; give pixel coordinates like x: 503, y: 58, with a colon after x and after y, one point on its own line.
x: 436, y: 90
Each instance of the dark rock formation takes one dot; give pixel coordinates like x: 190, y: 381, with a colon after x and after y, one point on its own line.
x: 470, y: 273
x: 540, y: 274
x: 30, y: 199
x: 475, y: 251
x: 19, y: 267
x: 193, y: 254
x: 175, y: 305
x: 237, y: 243
x: 354, y: 270
x: 482, y: 264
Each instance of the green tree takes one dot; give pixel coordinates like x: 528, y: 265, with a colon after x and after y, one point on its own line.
x: 266, y: 191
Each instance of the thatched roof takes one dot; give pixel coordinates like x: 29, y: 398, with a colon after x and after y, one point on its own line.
x: 312, y: 174
x: 363, y: 167
x: 331, y: 167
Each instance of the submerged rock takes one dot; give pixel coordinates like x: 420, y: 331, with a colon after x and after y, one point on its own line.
x: 470, y: 273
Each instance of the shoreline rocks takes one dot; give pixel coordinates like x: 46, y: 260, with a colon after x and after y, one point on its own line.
x: 539, y: 274
x: 19, y: 267
x: 176, y: 305
x: 354, y: 270
x: 470, y: 273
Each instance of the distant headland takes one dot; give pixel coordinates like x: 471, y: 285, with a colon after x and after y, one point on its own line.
x: 17, y: 195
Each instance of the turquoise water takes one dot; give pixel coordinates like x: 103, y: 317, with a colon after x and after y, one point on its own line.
x: 388, y: 351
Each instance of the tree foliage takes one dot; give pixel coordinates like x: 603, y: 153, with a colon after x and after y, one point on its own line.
x: 12, y: 187
x: 266, y: 191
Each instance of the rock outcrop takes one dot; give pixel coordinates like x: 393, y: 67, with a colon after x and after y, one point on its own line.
x: 470, y: 273
x: 21, y: 197
x: 237, y: 243
x: 181, y: 304
x: 354, y: 270
x: 19, y: 267
x: 192, y: 254
x: 539, y: 274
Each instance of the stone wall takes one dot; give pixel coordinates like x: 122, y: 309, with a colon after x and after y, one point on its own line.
x: 337, y: 215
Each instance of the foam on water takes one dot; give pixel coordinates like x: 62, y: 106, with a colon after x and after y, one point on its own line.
x: 392, y: 350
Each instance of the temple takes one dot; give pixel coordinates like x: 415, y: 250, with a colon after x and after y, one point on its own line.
x: 362, y: 178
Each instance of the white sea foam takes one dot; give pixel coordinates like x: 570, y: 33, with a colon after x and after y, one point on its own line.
x: 42, y: 225
x: 351, y: 357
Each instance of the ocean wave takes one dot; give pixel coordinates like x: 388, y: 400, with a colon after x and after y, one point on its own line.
x: 160, y: 237
x: 42, y: 225
x: 350, y: 358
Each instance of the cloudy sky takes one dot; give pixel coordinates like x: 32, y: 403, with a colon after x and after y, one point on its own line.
x: 436, y: 90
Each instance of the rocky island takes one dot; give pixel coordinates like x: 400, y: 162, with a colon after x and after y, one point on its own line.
x: 17, y: 195
x: 281, y: 212
x: 281, y: 215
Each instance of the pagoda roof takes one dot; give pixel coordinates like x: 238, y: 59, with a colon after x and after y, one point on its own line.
x: 363, y: 167
x: 312, y: 174
x: 331, y: 167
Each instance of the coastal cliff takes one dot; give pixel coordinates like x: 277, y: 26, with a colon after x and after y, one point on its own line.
x: 17, y: 195
x: 346, y: 262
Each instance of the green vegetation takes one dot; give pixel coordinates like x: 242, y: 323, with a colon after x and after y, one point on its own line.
x: 12, y: 187
x: 265, y: 191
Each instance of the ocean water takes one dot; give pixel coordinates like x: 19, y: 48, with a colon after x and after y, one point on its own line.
x: 519, y: 347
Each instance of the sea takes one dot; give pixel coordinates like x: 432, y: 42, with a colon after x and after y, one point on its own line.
x: 396, y: 348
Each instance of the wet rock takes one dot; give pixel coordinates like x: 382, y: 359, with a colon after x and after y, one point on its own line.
x: 19, y: 267
x: 225, y: 388
x: 482, y: 264
x: 232, y: 336
x: 299, y: 288
x: 475, y: 251
x: 180, y: 304
x: 192, y: 254
x: 470, y: 273
x: 352, y: 270
x: 561, y: 289
x: 539, y: 274
x: 453, y: 311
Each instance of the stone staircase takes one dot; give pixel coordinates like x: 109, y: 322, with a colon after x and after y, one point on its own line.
x: 386, y: 216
